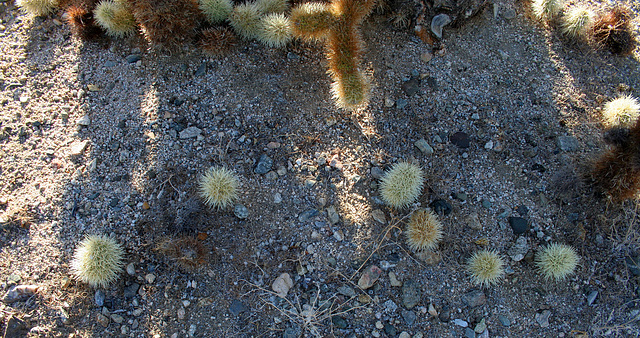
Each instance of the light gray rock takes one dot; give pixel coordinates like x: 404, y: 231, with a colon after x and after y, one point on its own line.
x: 190, y: 132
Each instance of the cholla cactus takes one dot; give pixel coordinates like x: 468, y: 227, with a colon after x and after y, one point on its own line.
x: 245, y: 20
x: 485, y: 267
x: 424, y: 231
x: 621, y: 112
x: 97, y: 261
x: 115, y: 18
x: 216, y: 11
x: 557, y: 261
x: 577, y: 21
x: 219, y: 187
x: 546, y: 9
x: 275, y: 30
x: 37, y: 7
x: 402, y: 185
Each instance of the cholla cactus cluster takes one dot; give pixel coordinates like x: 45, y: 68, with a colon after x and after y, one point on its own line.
x: 219, y: 187
x: 485, y: 267
x: 37, y: 7
x: 97, y: 261
x: 402, y: 185
x: 557, y: 261
x: 424, y: 230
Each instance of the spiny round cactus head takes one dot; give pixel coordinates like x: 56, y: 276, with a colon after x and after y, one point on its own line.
x: 245, y: 20
x: 97, y: 261
x: 353, y: 10
x: 275, y: 30
x: 424, y: 230
x: 577, y: 21
x: 37, y: 7
x: 312, y: 21
x: 621, y: 112
x: 485, y: 267
x: 115, y: 18
x: 219, y: 187
x: 216, y: 11
x: 402, y: 184
x: 272, y: 6
x: 217, y: 41
x: 546, y: 9
x: 557, y: 261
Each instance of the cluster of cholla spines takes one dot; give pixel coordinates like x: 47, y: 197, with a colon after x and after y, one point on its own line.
x: 617, y: 172
x: 337, y: 24
x: 609, y: 28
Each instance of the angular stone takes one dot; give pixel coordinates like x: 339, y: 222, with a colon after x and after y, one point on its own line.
x: 379, y: 216
x: 369, y: 277
x: 424, y: 147
x: 190, y: 132
x: 410, y: 294
x: 78, y: 148
x: 264, y: 165
x: 237, y: 307
x: 519, y: 250
x: 460, y: 140
x: 568, y: 143
x: 409, y: 317
x: 474, y: 298
x: 282, y: 285
x: 333, y: 216
x: 543, y: 318
x: 519, y: 225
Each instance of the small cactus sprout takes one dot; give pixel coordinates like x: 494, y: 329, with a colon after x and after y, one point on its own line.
x: 424, y: 231
x: 485, y: 267
x: 621, y: 112
x: 97, y: 261
x: 245, y: 20
x: 275, y: 30
x: 37, y: 7
x: 115, y: 18
x: 219, y: 187
x: 546, y: 9
x: 402, y: 185
x: 577, y: 21
x: 272, y: 6
x: 216, y: 11
x: 557, y: 261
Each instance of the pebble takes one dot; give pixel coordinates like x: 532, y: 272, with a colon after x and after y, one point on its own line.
x: 131, y: 269
x: 486, y: 204
x: 117, y: 318
x: 426, y: 57
x: 307, y: 215
x: 339, y: 322
x: 241, y: 211
x: 264, y: 165
x: 110, y: 64
x: 102, y: 320
x: 390, y: 306
x: 460, y: 322
x: 543, y: 318
x: 282, y: 285
x: 390, y: 330
x: 277, y: 198
x: 369, y: 277
x: 504, y: 321
x: 480, y: 327
x: 133, y: 58
x: 99, y: 298
x: 424, y: 147
x: 474, y: 298
x: 568, y: 143
x: 190, y: 132
x: 473, y: 221
x: 404, y: 334
x: 401, y: 103
x: 410, y: 294
x: 445, y: 314
x: 592, y: 297
x: 509, y: 14
x: 460, y: 140
x: 488, y: 145
x: 338, y: 235
x: 411, y: 87
x: 378, y: 216
x: 409, y: 317
x: 19, y: 293
x: 78, y: 148
x: 441, y: 207
x: 237, y: 307
x: 150, y: 278
x: 519, y: 225
x: 519, y: 249
x: 377, y: 173
x: 394, y: 280
x: 192, y: 330
x: 437, y: 24
x: 131, y: 290
x: 84, y: 121
x: 346, y: 291
x: 333, y: 216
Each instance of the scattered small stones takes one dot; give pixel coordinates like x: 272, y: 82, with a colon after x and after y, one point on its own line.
x: 474, y: 298
x: 460, y: 140
x: 237, y: 307
x: 369, y: 277
x: 424, y: 147
x: 410, y: 294
x: 264, y: 165
x: 378, y: 216
x: 519, y: 249
x: 543, y: 318
x: 519, y: 225
x: 99, y: 297
x: 241, y: 211
x: 282, y: 285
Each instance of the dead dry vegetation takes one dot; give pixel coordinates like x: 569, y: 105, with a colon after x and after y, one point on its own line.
x: 92, y: 143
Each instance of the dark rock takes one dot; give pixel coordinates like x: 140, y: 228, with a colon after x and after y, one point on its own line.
x: 441, y: 207
x: 202, y: 69
x: 133, y: 58
x: 264, y: 165
x: 390, y: 330
x: 410, y: 294
x: 307, y: 215
x: 445, y: 314
x: 432, y: 83
x: 114, y: 202
x: 131, y: 290
x: 99, y: 298
x: 474, y: 298
x: 504, y: 321
x: 377, y: 173
x: 16, y: 328
x: 519, y: 225
x: 633, y: 263
x: 339, y: 322
x: 522, y: 210
x: 237, y: 307
x: 469, y: 333
x: 412, y: 86
x: 409, y: 317
x: 538, y: 167
x: 401, y: 103
x: 460, y: 140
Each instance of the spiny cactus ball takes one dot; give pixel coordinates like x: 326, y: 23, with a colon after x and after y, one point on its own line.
x: 272, y: 6
x: 485, y: 267
x: 275, y: 30
x: 311, y: 21
x: 97, y: 260
x: 557, y: 261
x: 219, y: 187
x: 37, y: 7
x: 576, y: 22
x: 424, y: 231
x: 216, y: 11
x: 621, y: 112
x: 402, y: 184
x: 115, y: 18
x: 546, y: 9
x: 245, y: 20
x: 217, y: 41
